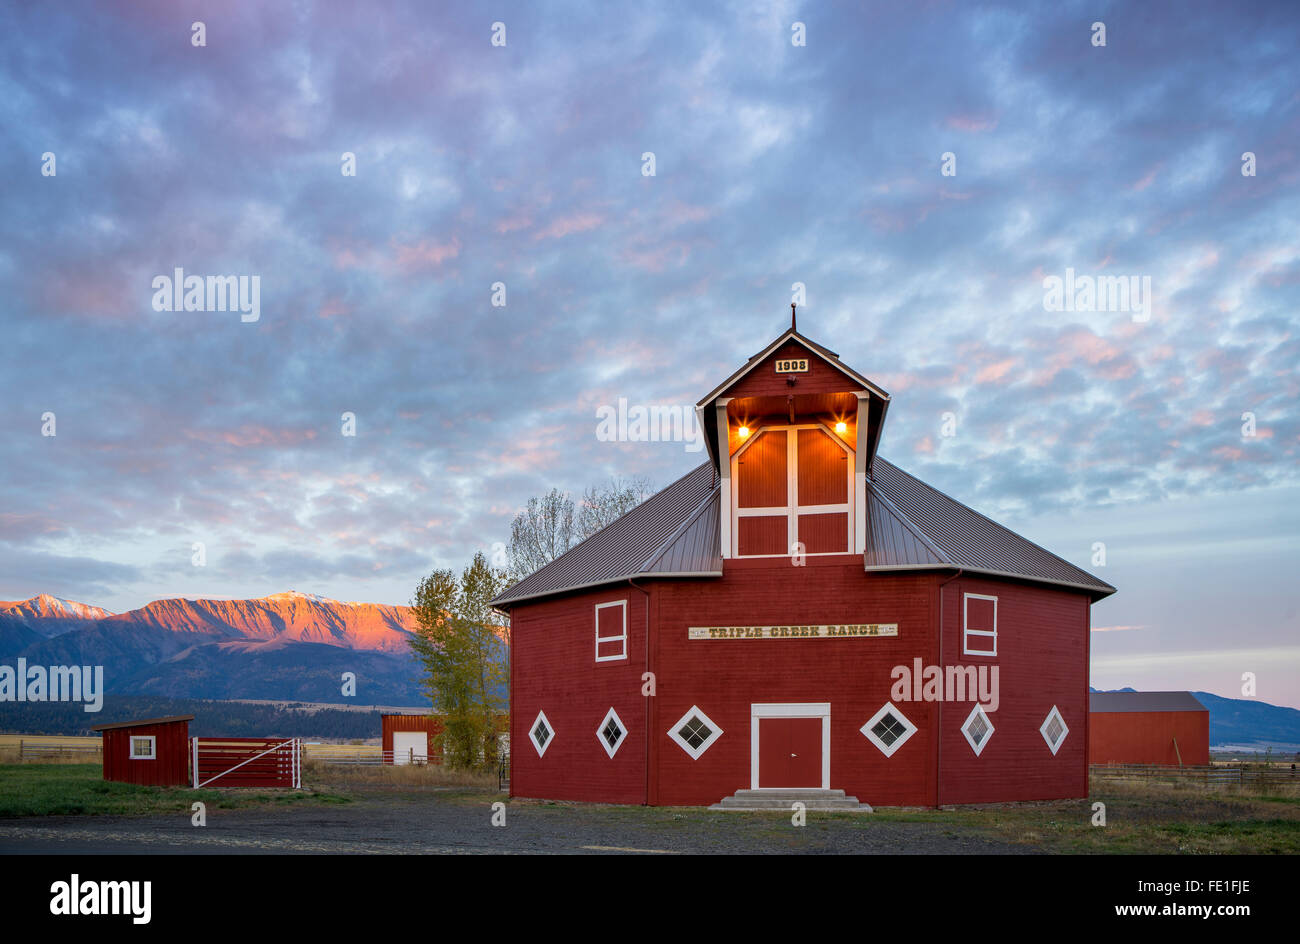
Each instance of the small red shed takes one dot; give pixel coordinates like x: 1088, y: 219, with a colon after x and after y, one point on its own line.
x: 408, y: 739
x: 153, y: 751
x: 1171, y: 728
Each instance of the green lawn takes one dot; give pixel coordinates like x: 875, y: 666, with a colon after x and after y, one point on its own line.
x: 72, y: 789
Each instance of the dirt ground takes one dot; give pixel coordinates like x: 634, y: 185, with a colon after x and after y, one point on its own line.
x: 411, y: 812
x: 452, y: 822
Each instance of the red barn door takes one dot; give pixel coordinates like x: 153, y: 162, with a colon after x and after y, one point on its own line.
x: 790, y: 752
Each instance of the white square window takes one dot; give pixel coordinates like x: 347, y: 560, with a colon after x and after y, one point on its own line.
x: 977, y: 728
x: 144, y: 747
x: 888, y: 729
x: 611, y: 732
x: 541, y: 733
x: 979, y: 621
x: 694, y: 732
x: 611, y: 631
x: 1054, y: 730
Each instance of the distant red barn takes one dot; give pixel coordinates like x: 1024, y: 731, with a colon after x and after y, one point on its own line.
x: 409, y: 739
x: 152, y: 751
x: 1170, y: 728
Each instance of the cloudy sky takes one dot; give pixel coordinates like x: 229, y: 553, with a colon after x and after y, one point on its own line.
x: 526, y: 164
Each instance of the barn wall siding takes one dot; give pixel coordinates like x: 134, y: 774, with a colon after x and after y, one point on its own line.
x: 555, y: 641
x: 1042, y: 655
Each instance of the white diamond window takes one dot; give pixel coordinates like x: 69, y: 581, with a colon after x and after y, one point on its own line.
x: 888, y: 729
x: 978, y: 729
x: 611, y: 732
x: 1054, y: 730
x: 695, y: 732
x: 541, y: 733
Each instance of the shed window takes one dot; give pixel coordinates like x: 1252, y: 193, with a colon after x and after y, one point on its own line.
x: 793, y: 493
x: 144, y: 747
x: 979, y: 625
x: 611, y: 631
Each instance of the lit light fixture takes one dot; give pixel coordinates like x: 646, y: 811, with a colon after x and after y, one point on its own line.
x: 841, y: 427
x: 743, y: 432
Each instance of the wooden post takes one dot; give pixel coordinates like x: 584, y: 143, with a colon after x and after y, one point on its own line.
x: 1178, y: 753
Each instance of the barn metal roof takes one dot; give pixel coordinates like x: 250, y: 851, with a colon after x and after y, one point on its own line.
x: 910, y: 526
x: 913, y: 526
x: 1106, y: 702
x: 169, y: 719
x: 670, y: 534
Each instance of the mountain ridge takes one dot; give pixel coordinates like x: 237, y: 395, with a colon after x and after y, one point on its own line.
x: 285, y: 645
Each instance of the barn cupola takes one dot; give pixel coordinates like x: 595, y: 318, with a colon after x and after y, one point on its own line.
x: 793, y: 436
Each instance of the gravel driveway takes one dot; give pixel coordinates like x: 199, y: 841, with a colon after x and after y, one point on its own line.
x: 454, y: 822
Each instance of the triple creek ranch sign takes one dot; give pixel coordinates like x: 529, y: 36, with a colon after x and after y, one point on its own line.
x: 792, y: 632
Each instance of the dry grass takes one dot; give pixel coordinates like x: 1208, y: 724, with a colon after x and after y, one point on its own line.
x: 9, y: 749
x: 1181, y: 786
x: 397, y: 777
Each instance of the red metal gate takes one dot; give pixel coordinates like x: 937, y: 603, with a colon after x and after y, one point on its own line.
x: 246, y: 762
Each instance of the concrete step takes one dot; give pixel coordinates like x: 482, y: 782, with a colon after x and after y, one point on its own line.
x: 826, y: 800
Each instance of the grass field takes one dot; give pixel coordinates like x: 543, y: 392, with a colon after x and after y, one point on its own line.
x: 73, y: 789
x: 1141, y: 818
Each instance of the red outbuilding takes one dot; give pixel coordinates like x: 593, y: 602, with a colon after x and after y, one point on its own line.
x: 1170, y: 728
x: 798, y: 614
x: 409, y: 739
x: 153, y: 751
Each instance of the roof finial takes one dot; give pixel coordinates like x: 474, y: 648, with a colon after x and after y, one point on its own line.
x: 792, y: 326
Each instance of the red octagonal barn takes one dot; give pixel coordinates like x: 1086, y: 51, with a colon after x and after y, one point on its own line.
x: 798, y: 614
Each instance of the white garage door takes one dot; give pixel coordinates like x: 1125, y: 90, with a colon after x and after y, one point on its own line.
x: 410, y: 744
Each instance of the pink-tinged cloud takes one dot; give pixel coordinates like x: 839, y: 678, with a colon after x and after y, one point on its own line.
x: 334, y: 308
x: 15, y: 526
x: 513, y: 223
x: 657, y: 259
x: 252, y: 435
x: 972, y: 123
x: 925, y: 446
x: 424, y: 255
x: 678, y: 213
x: 1148, y: 178
x: 992, y: 373
x: 568, y: 225
x: 1231, y: 453
x: 1115, y: 629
